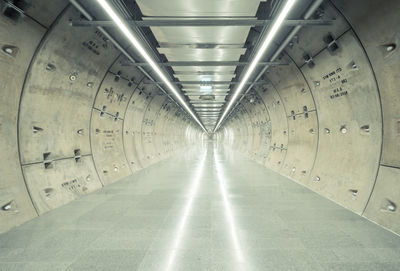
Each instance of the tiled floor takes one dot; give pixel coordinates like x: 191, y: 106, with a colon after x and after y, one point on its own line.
x: 204, y: 210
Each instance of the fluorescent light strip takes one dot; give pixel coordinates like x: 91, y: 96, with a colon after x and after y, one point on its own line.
x: 128, y: 34
x: 267, y: 41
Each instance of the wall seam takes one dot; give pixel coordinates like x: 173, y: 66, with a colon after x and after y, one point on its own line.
x: 38, y: 48
x: 380, y: 102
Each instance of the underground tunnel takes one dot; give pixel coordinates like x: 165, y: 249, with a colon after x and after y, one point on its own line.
x: 199, y: 135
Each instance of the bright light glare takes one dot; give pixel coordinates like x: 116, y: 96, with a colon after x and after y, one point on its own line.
x: 206, y: 85
x: 268, y: 39
x: 228, y: 209
x: 181, y: 227
x: 128, y: 34
x: 207, y: 89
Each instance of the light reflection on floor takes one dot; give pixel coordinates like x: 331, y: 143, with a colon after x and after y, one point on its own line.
x: 204, y: 209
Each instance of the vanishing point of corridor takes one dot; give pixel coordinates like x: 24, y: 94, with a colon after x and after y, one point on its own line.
x: 207, y: 209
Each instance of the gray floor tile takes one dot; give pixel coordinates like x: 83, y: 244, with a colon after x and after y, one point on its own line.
x: 171, y: 217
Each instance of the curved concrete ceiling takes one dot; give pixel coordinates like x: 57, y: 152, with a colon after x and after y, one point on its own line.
x: 75, y: 115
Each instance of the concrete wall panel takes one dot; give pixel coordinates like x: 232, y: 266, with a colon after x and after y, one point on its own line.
x: 107, y: 147
x: 383, y: 207
x: 377, y: 26
x: 279, y: 126
x: 302, y: 146
x: 18, y: 41
x: 113, y: 95
x: 336, y: 149
x: 67, y: 69
x: 150, y: 118
x: 65, y: 180
x: 159, y: 128
x: 343, y: 83
x: 75, y: 95
x: 292, y: 88
x: 43, y: 11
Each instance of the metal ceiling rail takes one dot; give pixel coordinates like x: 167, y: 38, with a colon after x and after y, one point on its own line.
x: 314, y: 6
x: 208, y: 83
x: 214, y: 112
x: 215, y: 108
x: 207, y: 107
x: 207, y: 102
x: 204, y: 73
x: 193, y: 93
x: 214, y: 89
x: 205, y: 63
x: 200, y: 23
x: 196, y: 103
x: 198, y: 17
x: 212, y: 109
x: 201, y: 45
x: 201, y: 94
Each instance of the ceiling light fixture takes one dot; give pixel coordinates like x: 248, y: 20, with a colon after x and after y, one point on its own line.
x: 135, y: 42
x: 267, y: 41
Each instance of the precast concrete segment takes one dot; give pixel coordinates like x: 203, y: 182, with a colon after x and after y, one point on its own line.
x: 67, y: 104
x: 19, y: 44
x: 333, y: 108
x: 203, y: 209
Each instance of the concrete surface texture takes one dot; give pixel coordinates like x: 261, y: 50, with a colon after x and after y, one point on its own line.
x: 82, y: 126
x: 207, y: 209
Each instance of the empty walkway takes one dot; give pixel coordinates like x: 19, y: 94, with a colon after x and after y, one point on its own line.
x: 207, y: 209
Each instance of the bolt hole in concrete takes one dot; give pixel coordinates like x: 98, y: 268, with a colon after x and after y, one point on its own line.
x: 7, y: 206
x: 10, y: 50
x: 390, y: 47
x: 50, y: 67
x: 36, y: 129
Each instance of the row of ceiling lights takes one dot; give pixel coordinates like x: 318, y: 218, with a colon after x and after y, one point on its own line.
x: 156, y: 68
